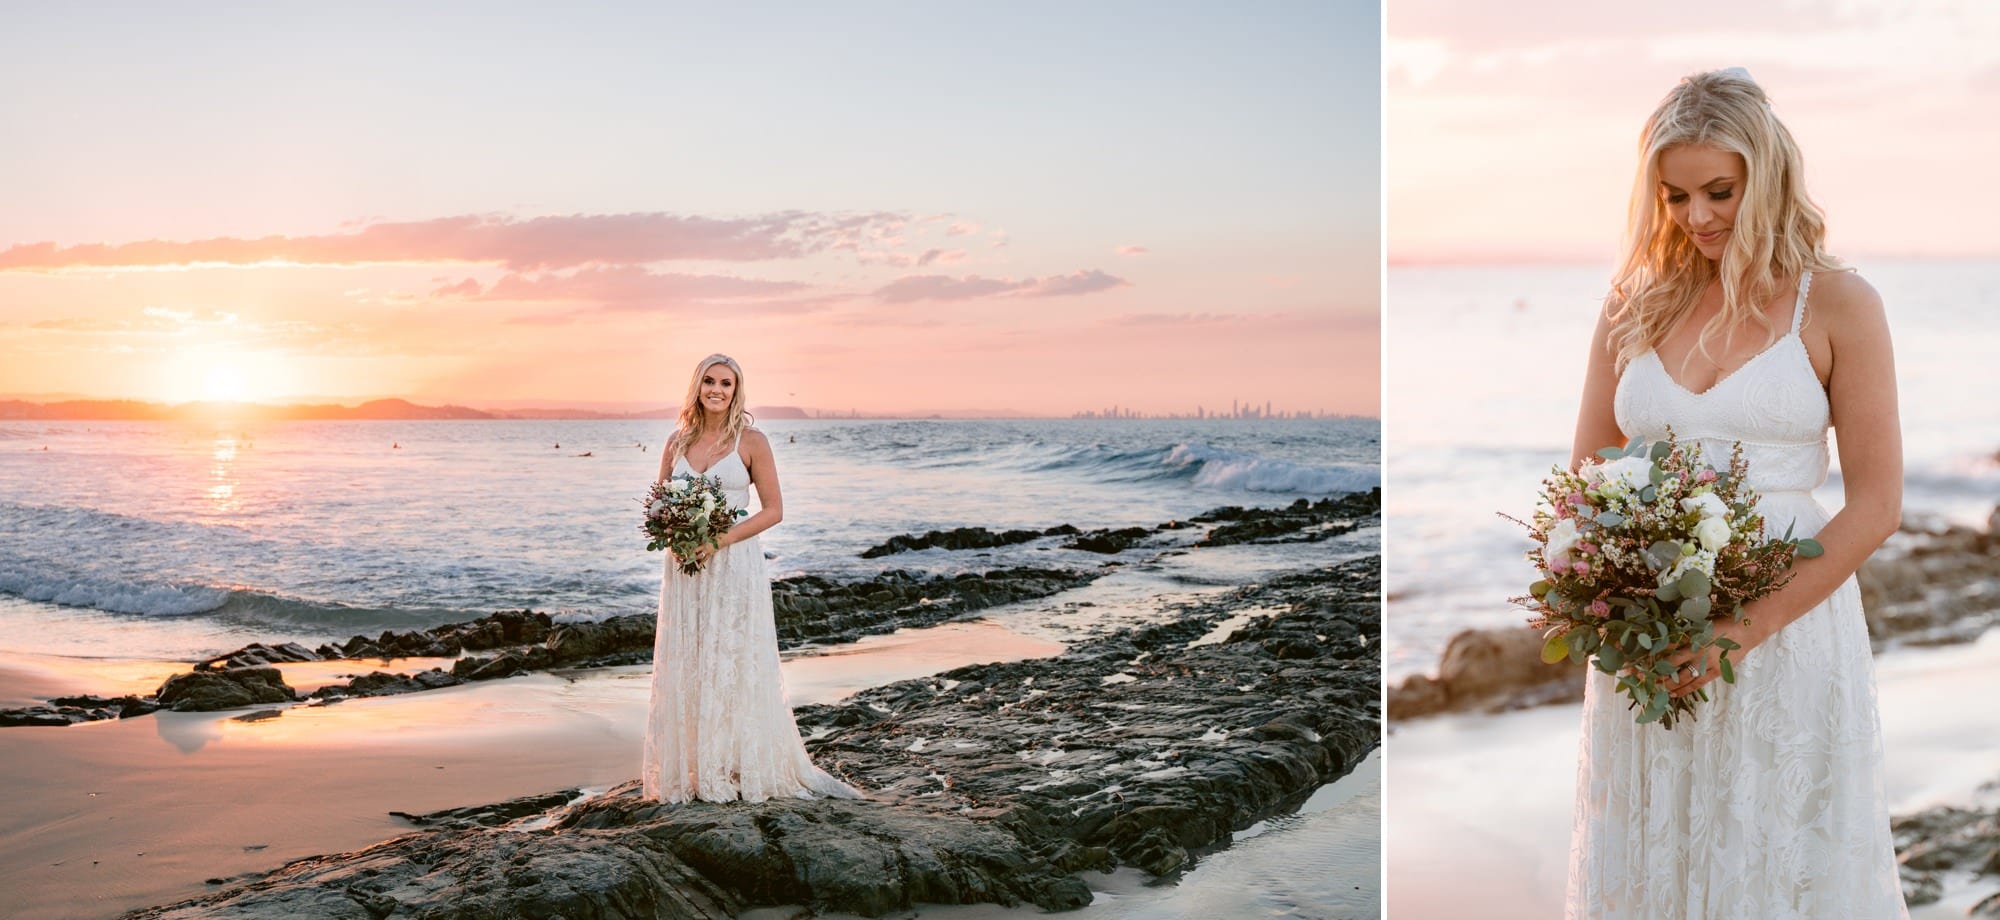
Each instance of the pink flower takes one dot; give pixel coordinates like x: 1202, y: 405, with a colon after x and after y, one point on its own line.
x: 1705, y: 476
x: 1580, y: 568
x: 1600, y: 609
x: 1577, y: 499
x: 1586, y: 548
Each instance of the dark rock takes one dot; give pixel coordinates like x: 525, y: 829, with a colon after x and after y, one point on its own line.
x: 257, y: 653
x: 1946, y: 840
x: 997, y: 795
x: 229, y: 688
x: 811, y: 608
x: 39, y: 715
x: 1109, y: 541
x: 1932, y: 587
x: 1300, y: 522
x: 955, y: 539
x: 495, y: 814
x: 1488, y: 670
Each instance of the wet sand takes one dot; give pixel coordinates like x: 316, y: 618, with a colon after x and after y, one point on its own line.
x: 106, y: 817
x: 1479, y: 806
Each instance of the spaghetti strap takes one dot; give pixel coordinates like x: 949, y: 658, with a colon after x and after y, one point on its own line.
x: 1799, y: 311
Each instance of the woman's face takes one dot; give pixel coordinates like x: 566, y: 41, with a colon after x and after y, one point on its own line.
x: 718, y: 387
x: 1702, y: 187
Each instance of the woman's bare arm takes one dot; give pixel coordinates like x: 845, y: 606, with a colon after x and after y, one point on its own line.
x: 1596, y: 421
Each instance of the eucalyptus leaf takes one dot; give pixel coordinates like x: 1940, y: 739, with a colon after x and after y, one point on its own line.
x: 1555, y: 649
x: 1728, y: 673
x: 1540, y: 587
x: 1645, y: 642
x: 1649, y: 493
x: 1694, y: 583
x: 1661, y: 449
x: 1695, y: 608
x: 1611, y: 453
x: 1669, y: 592
x: 1809, y: 548
x: 1614, y: 519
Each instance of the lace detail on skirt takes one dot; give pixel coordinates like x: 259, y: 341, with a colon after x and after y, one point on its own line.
x: 719, y: 727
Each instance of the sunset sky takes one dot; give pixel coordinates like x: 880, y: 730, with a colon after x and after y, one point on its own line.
x: 1036, y: 207
x: 1512, y: 135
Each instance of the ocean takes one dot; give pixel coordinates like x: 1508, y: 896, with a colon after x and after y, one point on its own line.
x: 162, y: 540
x: 1484, y: 367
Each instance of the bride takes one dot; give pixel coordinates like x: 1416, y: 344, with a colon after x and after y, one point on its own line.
x: 719, y: 727
x: 1729, y: 322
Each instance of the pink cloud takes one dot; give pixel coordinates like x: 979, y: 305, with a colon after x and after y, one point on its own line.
x: 534, y: 244
x: 630, y: 287
x: 913, y: 288
x: 1133, y: 250
x: 466, y: 288
x: 961, y: 228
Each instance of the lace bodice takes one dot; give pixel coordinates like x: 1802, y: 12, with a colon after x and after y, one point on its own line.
x: 1774, y: 404
x: 730, y: 469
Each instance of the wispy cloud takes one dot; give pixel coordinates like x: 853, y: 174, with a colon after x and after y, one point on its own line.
x: 520, y: 245
x: 619, y: 287
x: 914, y: 288
x: 1133, y: 250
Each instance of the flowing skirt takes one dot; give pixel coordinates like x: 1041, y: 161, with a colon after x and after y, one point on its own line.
x: 719, y: 728
x: 1769, y: 804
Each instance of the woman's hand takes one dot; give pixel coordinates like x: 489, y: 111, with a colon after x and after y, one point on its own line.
x: 1748, y: 637
x: 706, y: 552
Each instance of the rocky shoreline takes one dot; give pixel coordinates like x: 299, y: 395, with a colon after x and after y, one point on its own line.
x: 987, y: 784
x: 808, y: 609
x: 993, y: 783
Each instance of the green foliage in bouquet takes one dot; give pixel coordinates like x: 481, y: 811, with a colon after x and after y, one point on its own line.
x: 1641, y: 552
x: 684, y: 514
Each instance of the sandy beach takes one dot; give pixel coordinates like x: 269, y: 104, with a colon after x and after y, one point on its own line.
x: 110, y: 816
x: 1481, y: 804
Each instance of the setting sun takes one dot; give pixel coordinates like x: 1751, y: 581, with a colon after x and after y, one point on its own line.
x: 225, y: 383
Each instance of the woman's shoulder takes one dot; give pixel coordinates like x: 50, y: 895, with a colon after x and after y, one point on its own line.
x: 754, y: 437
x: 1843, y: 297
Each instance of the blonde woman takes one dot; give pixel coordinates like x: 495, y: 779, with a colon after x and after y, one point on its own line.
x: 1729, y: 322
x: 719, y: 727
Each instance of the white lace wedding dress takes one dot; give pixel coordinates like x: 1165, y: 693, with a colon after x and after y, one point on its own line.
x: 1769, y: 804
x: 719, y: 727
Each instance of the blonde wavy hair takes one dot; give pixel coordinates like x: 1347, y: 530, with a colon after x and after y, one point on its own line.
x: 1778, y: 232
x: 693, y: 421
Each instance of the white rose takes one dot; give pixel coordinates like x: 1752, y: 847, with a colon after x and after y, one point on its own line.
x: 1713, y: 532
x: 1710, y: 506
x: 1562, y: 538
x: 678, y: 485
x: 1628, y: 473
x: 657, y: 507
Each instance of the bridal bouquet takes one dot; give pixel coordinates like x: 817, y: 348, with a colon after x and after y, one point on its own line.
x: 1638, y: 553
x: 686, y: 513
